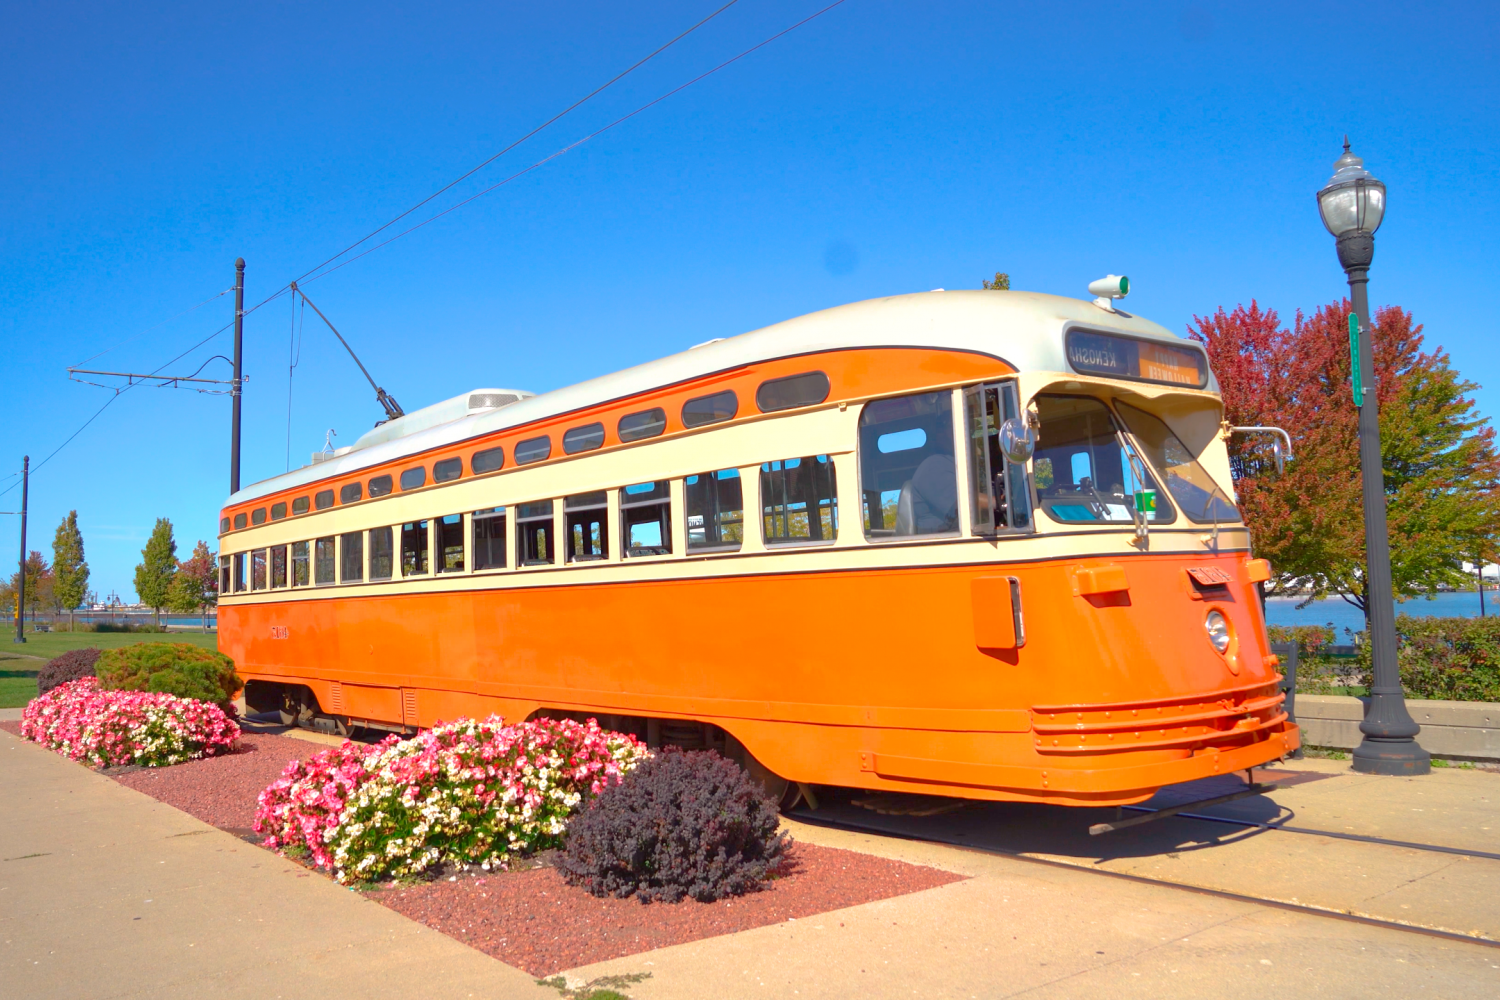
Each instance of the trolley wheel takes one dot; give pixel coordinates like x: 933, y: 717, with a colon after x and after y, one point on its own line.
x: 785, y: 793
x: 294, y: 709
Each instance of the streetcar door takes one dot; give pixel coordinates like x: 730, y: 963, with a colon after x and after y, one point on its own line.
x: 1000, y: 495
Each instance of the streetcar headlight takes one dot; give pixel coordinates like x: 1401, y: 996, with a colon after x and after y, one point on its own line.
x: 1218, y: 630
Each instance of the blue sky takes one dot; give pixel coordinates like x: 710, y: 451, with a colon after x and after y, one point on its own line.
x: 885, y: 147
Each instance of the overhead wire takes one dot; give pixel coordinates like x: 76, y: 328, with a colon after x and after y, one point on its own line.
x: 156, y: 326
x: 565, y: 111
x: 574, y: 145
x: 319, y: 271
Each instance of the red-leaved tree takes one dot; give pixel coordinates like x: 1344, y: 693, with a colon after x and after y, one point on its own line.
x: 1441, y: 469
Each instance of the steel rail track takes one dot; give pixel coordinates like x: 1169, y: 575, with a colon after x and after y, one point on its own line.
x: 1357, y: 837
x: 806, y: 816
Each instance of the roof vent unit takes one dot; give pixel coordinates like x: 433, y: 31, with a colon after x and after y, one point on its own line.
x: 490, y: 399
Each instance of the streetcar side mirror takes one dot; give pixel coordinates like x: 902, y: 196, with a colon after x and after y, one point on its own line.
x: 1278, y: 455
x: 1017, y: 440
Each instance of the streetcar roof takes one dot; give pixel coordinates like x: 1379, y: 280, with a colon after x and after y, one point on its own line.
x: 1025, y: 329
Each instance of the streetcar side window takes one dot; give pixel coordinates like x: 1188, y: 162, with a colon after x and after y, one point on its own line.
x: 351, y: 557
x: 299, y: 505
x: 1083, y: 471
x: 350, y: 492
x: 1000, y: 497
x: 239, y: 521
x: 533, y: 450
x: 413, y: 479
x: 323, y: 499
x: 278, y: 566
x: 586, y: 520
x: 301, y: 576
x: 278, y: 511
x: 646, y: 519
x: 258, y: 569
x: 380, y: 486
x: 489, y: 536
x: 239, y: 572
x: 223, y: 525
x: 488, y: 460
x: 585, y: 438
x: 450, y: 543
x: 715, y: 511
x: 534, y: 542
x: 710, y: 409
x: 907, y: 476
x: 799, y: 500
x: 414, y: 548
x: 258, y: 516
x: 224, y: 564
x: 381, y: 556
x: 807, y: 389
x: 324, y: 558
x: 448, y: 469
x: 645, y: 424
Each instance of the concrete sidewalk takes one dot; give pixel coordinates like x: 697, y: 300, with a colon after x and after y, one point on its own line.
x: 105, y: 892
x: 1019, y: 929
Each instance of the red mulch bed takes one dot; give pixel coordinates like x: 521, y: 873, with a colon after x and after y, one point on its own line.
x: 222, y: 791
x: 533, y: 919
x: 537, y: 922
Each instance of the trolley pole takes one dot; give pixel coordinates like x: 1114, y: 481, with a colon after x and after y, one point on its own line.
x: 21, y: 584
x: 234, y: 391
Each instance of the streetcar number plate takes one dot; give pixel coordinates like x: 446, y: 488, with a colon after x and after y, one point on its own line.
x: 1209, y: 576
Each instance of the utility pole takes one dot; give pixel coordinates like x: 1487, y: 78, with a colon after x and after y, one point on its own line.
x: 21, y: 585
x: 239, y: 337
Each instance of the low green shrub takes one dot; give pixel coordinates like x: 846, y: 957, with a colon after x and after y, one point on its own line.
x: 1317, y: 672
x: 682, y: 823
x: 73, y: 665
x: 1456, y: 659
x: 1452, y: 659
x: 1309, y: 638
x: 178, y: 668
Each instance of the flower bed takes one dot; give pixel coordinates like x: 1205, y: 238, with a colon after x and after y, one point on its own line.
x: 89, y: 724
x: 464, y: 793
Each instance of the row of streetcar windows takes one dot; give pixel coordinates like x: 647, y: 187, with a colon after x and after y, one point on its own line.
x: 1084, y: 468
x: 806, y: 389
x: 799, y: 500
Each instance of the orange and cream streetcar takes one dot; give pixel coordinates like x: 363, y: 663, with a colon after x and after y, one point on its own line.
x: 977, y: 543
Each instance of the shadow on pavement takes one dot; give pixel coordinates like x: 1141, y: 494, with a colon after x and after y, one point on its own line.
x: 1063, y: 831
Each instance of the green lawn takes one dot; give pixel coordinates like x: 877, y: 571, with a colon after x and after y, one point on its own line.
x: 17, y: 687
x: 20, y: 662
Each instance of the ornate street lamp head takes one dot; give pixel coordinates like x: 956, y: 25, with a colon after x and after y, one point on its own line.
x: 1352, y: 205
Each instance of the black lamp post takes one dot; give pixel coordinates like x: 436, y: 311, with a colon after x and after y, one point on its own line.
x: 1352, y: 204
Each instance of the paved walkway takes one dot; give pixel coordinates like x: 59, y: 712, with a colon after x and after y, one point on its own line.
x: 106, y: 893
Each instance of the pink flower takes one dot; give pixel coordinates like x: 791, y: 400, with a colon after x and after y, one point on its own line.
x: 86, y: 723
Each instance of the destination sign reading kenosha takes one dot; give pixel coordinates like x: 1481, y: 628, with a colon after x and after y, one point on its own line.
x: 1112, y: 355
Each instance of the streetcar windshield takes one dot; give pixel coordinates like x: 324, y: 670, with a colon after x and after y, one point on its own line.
x: 1195, y: 491
x: 1083, y: 472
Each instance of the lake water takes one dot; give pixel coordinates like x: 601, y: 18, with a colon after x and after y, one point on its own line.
x: 1284, y: 610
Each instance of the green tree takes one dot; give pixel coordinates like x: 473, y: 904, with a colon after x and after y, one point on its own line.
x: 196, y: 585
x: 39, y: 587
x: 153, y: 577
x: 69, y: 569
x: 1000, y: 284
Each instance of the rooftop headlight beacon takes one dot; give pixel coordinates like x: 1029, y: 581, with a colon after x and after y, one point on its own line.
x: 1109, y: 288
